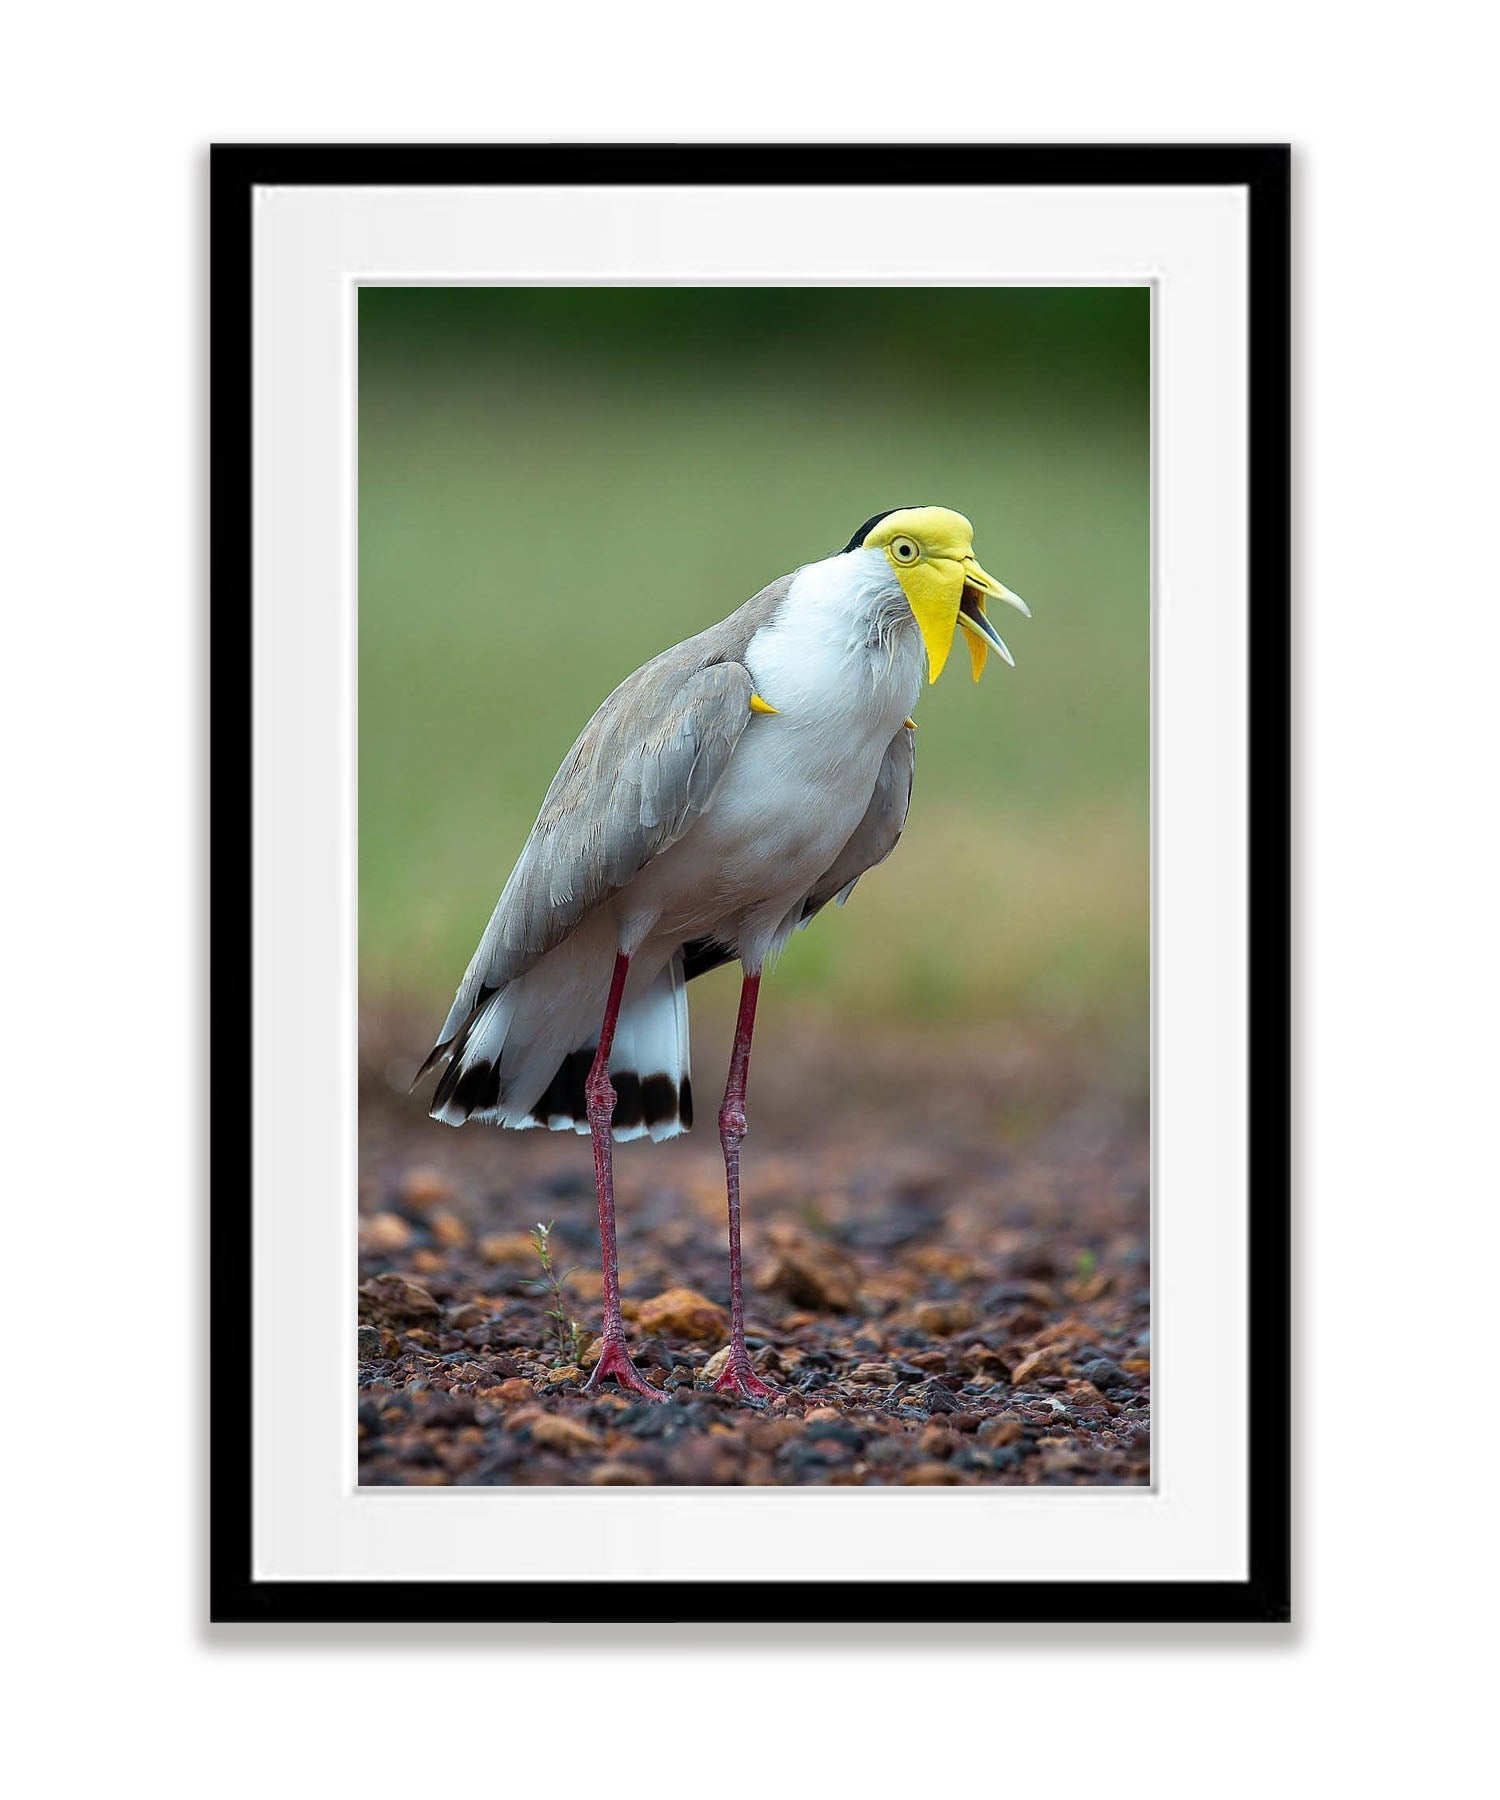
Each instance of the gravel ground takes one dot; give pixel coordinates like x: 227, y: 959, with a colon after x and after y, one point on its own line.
x: 946, y: 1244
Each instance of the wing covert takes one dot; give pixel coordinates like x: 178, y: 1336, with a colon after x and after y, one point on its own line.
x: 642, y: 771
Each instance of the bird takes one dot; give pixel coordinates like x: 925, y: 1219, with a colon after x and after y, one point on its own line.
x: 715, y: 803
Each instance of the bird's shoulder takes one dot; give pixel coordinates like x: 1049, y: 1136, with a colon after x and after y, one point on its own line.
x: 717, y: 646
x: 680, y: 685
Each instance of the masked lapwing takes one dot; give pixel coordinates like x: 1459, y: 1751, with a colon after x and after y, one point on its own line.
x: 720, y: 797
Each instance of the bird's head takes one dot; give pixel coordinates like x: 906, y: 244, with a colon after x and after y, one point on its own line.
x: 931, y: 552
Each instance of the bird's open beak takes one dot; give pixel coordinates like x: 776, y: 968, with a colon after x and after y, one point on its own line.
x: 945, y: 592
x: 979, y: 634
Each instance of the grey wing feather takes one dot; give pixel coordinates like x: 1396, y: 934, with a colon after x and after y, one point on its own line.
x: 643, y: 770
x: 874, y: 838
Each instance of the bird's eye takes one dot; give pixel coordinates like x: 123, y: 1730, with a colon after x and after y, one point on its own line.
x: 904, y: 550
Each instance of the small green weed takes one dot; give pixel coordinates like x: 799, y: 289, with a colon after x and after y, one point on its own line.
x: 569, y: 1335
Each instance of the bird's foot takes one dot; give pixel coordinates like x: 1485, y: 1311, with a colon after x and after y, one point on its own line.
x: 614, y: 1360
x: 739, y: 1378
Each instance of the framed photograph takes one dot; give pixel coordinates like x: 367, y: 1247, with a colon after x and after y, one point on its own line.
x: 750, y: 840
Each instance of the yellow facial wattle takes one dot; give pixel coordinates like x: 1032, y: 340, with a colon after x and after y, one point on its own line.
x: 934, y: 591
x: 931, y: 551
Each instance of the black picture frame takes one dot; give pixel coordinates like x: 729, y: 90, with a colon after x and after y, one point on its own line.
x: 1263, y: 172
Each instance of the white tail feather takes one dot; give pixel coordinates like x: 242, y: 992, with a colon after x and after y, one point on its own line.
x: 523, y: 1061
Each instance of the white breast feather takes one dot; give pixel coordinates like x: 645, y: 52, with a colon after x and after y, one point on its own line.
x: 842, y: 663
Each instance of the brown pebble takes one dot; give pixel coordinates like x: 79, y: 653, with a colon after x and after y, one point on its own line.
x: 942, y: 1317
x: 807, y: 1271
x: 559, y: 1377
x: 937, y: 1259
x: 397, y: 1297
x: 1050, y: 1360
x: 449, y: 1230
x: 384, y: 1232
x: 680, y: 1312
x: 555, y: 1431
x: 422, y: 1189
x: 507, y: 1247
x: 998, y: 1431
x: 930, y: 1474
x: 619, y: 1474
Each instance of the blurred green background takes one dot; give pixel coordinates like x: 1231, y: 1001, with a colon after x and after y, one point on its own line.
x: 555, y: 484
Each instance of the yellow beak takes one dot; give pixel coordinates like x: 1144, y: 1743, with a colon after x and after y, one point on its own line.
x: 979, y: 634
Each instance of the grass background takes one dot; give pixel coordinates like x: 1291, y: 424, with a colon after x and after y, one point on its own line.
x: 556, y: 484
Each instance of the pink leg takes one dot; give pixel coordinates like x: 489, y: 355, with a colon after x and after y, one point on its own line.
x: 614, y: 1359
x: 738, y: 1377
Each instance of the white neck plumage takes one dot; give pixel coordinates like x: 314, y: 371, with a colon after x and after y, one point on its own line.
x: 853, y: 599
x: 844, y: 635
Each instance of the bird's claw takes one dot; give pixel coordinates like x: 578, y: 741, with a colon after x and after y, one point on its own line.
x: 614, y: 1360
x: 741, y: 1379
